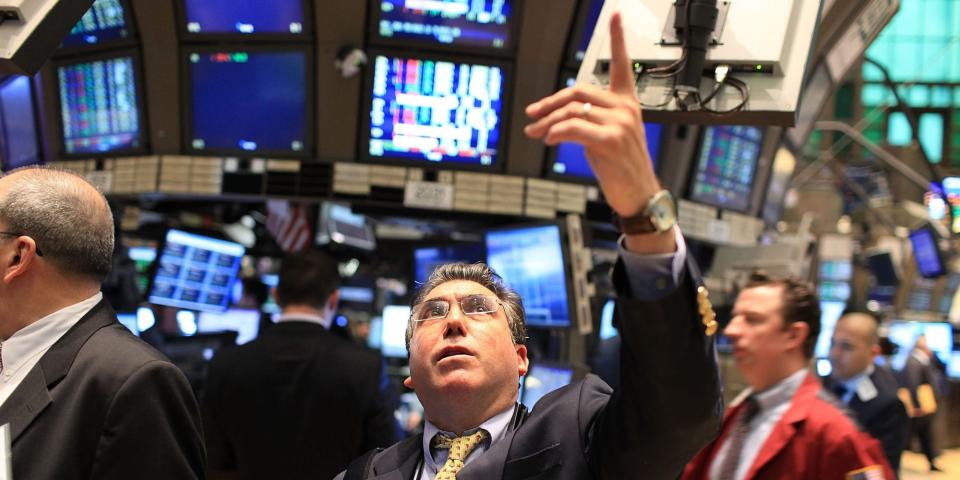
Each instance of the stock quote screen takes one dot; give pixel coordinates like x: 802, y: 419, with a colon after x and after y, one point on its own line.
x: 248, y: 17
x: 105, y: 21
x: 726, y: 167
x: 436, y: 111
x: 99, y: 107
x: 473, y: 23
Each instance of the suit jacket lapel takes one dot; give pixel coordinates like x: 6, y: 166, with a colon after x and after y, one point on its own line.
x: 401, y: 462
x: 491, y: 463
x: 786, y: 428
x: 33, y: 394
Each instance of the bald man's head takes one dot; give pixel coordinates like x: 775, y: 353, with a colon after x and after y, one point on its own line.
x: 69, y: 220
x: 855, y: 344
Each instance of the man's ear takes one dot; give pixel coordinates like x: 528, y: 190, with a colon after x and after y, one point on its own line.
x: 523, y: 363
x: 797, y: 334
x: 18, y: 261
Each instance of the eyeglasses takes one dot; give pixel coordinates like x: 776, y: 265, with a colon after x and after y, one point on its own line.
x: 15, y: 234
x: 479, y: 307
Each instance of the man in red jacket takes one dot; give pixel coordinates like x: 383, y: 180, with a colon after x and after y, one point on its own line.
x: 784, y: 426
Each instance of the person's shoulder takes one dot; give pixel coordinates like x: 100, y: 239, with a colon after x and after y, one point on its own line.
x: 832, y: 418
x: 112, y: 355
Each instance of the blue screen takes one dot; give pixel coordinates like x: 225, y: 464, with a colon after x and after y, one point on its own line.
x: 904, y: 335
x: 129, y: 320
x: 726, y: 167
x: 104, y: 22
x: 20, y: 146
x: 245, y: 322
x: 926, y: 253
x: 263, y: 94
x: 589, y: 24
x: 475, y: 23
x: 435, y: 111
x: 99, y: 106
x: 244, y: 16
x: 196, y: 272
x: 607, y: 330
x: 426, y: 259
x: 542, y: 380
x: 531, y: 261
x: 571, y: 158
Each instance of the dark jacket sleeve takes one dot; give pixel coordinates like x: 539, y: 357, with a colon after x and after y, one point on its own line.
x: 380, y: 426
x: 893, y: 430
x: 220, y: 455
x: 152, y: 429
x: 669, y: 404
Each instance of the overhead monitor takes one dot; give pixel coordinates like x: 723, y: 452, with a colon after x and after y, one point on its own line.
x: 829, y: 314
x: 247, y: 19
x: 951, y: 189
x: 953, y: 368
x: 948, y: 293
x: 726, y: 167
x: 531, y: 260
x: 607, y: 330
x: 784, y: 164
x: 904, y: 334
x: 375, y: 339
x: 271, y: 281
x: 427, y: 259
x: 588, y: 13
x: 836, y: 270
x: 542, y: 379
x: 265, y: 92
x: 433, y: 110
x: 108, y: 22
x: 393, y: 331
x: 195, y: 272
x: 245, y: 322
x: 926, y: 253
x: 920, y: 298
x: 569, y: 160
x: 881, y: 264
x: 101, y: 111
x: 19, y: 129
x: 484, y: 25
x: 143, y: 258
x: 339, y: 226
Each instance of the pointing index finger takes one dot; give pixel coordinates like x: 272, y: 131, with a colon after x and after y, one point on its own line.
x: 621, y: 74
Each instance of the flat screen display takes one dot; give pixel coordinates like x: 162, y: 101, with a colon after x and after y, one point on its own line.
x: 543, y: 379
x: 339, y: 225
x: 607, y: 330
x: 530, y: 259
x: 784, y: 163
x: 953, y: 368
x: 271, y: 281
x: 836, y: 270
x: 427, y: 259
x: 435, y: 111
x: 245, y: 322
x: 571, y: 158
x: 99, y: 106
x: 726, y: 167
x: 106, y: 21
x: 904, y: 335
x: 881, y: 264
x: 129, y: 320
x: 143, y: 258
x: 586, y: 30
x: 951, y: 190
x: 20, y: 145
x: 196, y: 272
x: 460, y: 23
x: 926, y: 253
x: 263, y: 93
x: 829, y: 314
x: 393, y: 331
x: 244, y: 17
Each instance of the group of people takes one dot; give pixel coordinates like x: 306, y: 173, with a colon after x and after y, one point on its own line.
x: 85, y: 399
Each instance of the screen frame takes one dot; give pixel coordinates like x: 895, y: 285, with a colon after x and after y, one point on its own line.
x: 36, y: 104
x: 186, y: 99
x: 132, y: 40
x: 752, y: 197
x: 376, y: 42
x: 306, y: 37
x: 572, y: 319
x: 139, y: 85
x: 363, y: 143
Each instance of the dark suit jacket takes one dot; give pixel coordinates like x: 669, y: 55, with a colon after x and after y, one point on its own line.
x: 883, y: 416
x: 669, y: 405
x: 101, y: 404
x: 296, y: 403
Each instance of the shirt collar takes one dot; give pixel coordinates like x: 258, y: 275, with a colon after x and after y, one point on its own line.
x: 781, y: 392
x: 41, y: 334
x: 854, y: 382
x: 305, y: 317
x: 496, y: 426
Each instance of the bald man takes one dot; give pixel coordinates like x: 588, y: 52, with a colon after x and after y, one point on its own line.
x: 82, y: 396
x: 868, y: 391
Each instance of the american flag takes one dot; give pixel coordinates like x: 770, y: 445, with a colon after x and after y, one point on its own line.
x: 288, y: 224
x: 874, y: 472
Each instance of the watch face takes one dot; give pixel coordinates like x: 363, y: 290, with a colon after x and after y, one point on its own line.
x: 663, y: 213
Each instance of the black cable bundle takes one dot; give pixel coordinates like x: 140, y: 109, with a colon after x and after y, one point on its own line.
x: 697, y: 21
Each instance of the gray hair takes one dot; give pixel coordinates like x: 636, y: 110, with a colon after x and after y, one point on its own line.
x: 484, y: 275
x: 68, y: 217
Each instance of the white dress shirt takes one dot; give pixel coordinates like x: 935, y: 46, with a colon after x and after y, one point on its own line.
x: 860, y: 385
x: 773, y: 404
x: 434, y: 458
x: 303, y: 317
x: 21, y: 352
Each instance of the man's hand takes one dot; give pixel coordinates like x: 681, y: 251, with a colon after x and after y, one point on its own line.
x: 609, y: 124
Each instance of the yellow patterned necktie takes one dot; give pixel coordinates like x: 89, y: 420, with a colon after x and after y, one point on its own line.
x: 460, y: 448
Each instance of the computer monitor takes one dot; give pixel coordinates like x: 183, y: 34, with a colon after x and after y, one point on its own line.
x: 143, y: 258
x: 920, y: 298
x: 830, y: 312
x: 108, y: 22
x: 881, y: 264
x: 904, y: 334
x: 926, y: 253
x: 542, y: 379
x: 393, y: 331
x: 951, y: 190
x: 839, y: 270
x: 101, y: 110
x: 375, y: 339
x: 266, y: 92
x: 426, y: 259
x: 271, y: 281
x: 585, y: 22
x: 19, y: 139
x: 339, y: 226
x: 195, y: 272
x: 129, y: 320
x: 488, y: 26
x: 245, y: 19
x: 243, y: 321
x: 435, y: 110
x: 781, y: 172
x: 607, y: 330
x: 726, y: 166
x: 953, y: 368
x: 531, y: 260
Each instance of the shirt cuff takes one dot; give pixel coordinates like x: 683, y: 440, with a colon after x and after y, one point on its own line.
x: 653, y: 277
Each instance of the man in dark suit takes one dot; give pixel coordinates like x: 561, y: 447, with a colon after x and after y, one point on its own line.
x: 83, y: 397
x: 870, y: 392
x: 298, y: 402
x: 922, y: 377
x: 466, y: 337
